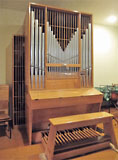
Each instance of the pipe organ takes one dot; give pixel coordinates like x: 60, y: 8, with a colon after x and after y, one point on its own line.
x: 60, y: 49
x: 58, y: 67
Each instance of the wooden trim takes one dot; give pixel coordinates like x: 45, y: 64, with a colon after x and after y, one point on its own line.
x: 61, y: 65
x: 54, y: 8
x: 86, y: 14
x: 80, y: 118
x: 82, y: 151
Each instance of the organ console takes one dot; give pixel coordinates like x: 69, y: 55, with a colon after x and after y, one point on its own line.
x: 58, y: 72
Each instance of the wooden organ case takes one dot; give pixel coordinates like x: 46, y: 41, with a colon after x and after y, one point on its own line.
x: 58, y: 67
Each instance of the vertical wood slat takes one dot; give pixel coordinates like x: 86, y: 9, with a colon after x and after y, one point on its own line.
x: 18, y: 81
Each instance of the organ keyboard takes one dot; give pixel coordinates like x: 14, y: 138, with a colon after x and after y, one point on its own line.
x: 69, y: 136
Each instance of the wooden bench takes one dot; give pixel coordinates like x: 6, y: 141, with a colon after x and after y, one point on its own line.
x: 4, y: 107
x: 4, y: 99
x: 82, y: 120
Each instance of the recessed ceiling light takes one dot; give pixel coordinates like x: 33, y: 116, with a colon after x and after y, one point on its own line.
x: 112, y: 19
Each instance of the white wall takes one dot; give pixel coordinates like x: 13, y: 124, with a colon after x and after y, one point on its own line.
x: 105, y: 40
x: 11, y: 23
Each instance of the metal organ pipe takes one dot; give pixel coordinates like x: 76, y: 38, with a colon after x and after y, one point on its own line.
x: 43, y: 59
x: 48, y: 45
x: 36, y: 52
x: 32, y: 48
x: 40, y: 57
x: 82, y: 63
x: 86, y: 56
x: 77, y: 59
x: 84, y: 59
x: 90, y: 52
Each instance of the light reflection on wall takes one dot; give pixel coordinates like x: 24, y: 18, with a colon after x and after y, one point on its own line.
x: 103, y: 40
x: 105, y: 44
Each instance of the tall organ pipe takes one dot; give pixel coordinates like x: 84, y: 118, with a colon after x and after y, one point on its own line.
x: 54, y: 50
x: 90, y: 63
x: 40, y: 57
x: 36, y: 51
x: 47, y: 42
x: 77, y: 60
x: 43, y: 59
x: 86, y: 57
x: 32, y: 47
x: 82, y: 80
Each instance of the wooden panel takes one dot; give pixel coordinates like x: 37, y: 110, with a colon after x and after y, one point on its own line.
x: 4, y: 106
x: 44, y: 114
x: 27, y: 48
x: 4, y: 92
x: 82, y: 151
x: 4, y: 99
x: 62, y: 83
x: 64, y: 93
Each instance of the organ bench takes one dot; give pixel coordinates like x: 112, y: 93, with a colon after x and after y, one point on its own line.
x: 69, y: 136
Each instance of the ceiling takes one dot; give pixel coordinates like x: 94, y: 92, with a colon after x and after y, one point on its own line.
x: 101, y: 9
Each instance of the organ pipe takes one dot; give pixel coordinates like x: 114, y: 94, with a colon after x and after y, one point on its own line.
x: 36, y: 51
x: 90, y: 51
x: 86, y: 56
x: 40, y: 57
x: 32, y: 47
x: 43, y: 58
x: 62, y: 47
